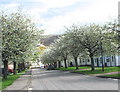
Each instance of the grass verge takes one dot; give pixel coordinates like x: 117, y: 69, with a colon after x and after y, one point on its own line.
x: 0, y: 82
x: 98, y: 70
x: 10, y: 79
x: 113, y: 75
x: 72, y: 68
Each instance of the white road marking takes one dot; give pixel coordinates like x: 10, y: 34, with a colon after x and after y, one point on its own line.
x: 109, y: 78
x: 29, y: 88
x: 115, y: 79
x: 87, y: 76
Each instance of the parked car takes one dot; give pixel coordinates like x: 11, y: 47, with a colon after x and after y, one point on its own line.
x: 45, y: 66
x: 50, y: 67
x: 9, y: 71
x: 41, y: 66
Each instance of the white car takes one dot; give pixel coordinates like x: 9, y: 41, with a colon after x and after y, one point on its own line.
x: 41, y: 66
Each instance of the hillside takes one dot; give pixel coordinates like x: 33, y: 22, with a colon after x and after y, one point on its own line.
x: 48, y: 39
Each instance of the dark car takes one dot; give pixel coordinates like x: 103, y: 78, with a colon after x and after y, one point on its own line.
x: 9, y: 71
x: 3, y: 71
x: 50, y: 67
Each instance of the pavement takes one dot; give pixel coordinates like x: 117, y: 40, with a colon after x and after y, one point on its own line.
x: 21, y: 83
x: 42, y: 79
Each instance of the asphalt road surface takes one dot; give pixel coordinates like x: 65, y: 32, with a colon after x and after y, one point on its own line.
x: 63, y: 80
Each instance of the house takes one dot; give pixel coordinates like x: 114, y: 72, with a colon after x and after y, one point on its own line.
x: 108, y: 61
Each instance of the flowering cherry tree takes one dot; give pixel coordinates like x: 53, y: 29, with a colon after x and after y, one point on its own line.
x: 19, y: 38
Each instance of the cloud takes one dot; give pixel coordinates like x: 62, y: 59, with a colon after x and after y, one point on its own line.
x: 56, y: 25
x: 53, y: 3
x: 49, y: 7
x: 58, y: 3
x: 55, y: 14
x: 98, y: 12
x: 9, y: 6
x: 12, y: 5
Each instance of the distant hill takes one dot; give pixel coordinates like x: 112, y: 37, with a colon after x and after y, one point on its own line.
x: 48, y: 39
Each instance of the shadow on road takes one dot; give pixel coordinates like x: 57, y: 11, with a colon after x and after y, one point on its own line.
x: 66, y: 76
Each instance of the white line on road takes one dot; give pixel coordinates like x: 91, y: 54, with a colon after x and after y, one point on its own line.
x: 115, y: 79
x: 87, y: 76
x: 110, y: 78
x: 29, y: 88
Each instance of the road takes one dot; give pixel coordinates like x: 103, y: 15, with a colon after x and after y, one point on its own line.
x: 58, y: 80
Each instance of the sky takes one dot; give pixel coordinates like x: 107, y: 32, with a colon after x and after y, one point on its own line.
x: 54, y: 15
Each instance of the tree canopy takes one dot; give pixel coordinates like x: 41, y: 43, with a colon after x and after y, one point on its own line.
x: 20, y: 37
x: 83, y: 40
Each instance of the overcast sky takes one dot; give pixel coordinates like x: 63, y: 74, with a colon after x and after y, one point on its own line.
x: 53, y: 15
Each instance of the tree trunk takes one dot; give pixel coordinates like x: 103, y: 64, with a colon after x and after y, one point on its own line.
x: 65, y: 63
x: 115, y: 61
x: 21, y: 66
x: 59, y: 63
x: 14, y: 63
x: 19, y: 69
x: 80, y: 61
x: 5, y: 62
x: 24, y: 66
x: 110, y: 62
x: 55, y: 64
x: 76, y: 63
x: 102, y: 64
x: 92, y: 63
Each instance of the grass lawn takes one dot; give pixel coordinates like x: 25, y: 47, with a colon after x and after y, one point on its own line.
x: 98, y: 70
x: 10, y: 79
x: 113, y: 75
x: 73, y: 68
x: 0, y: 83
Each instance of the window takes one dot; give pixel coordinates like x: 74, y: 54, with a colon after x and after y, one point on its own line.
x: 83, y: 60
x: 107, y: 60
x: 95, y: 60
x: 80, y: 61
x: 88, y: 60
